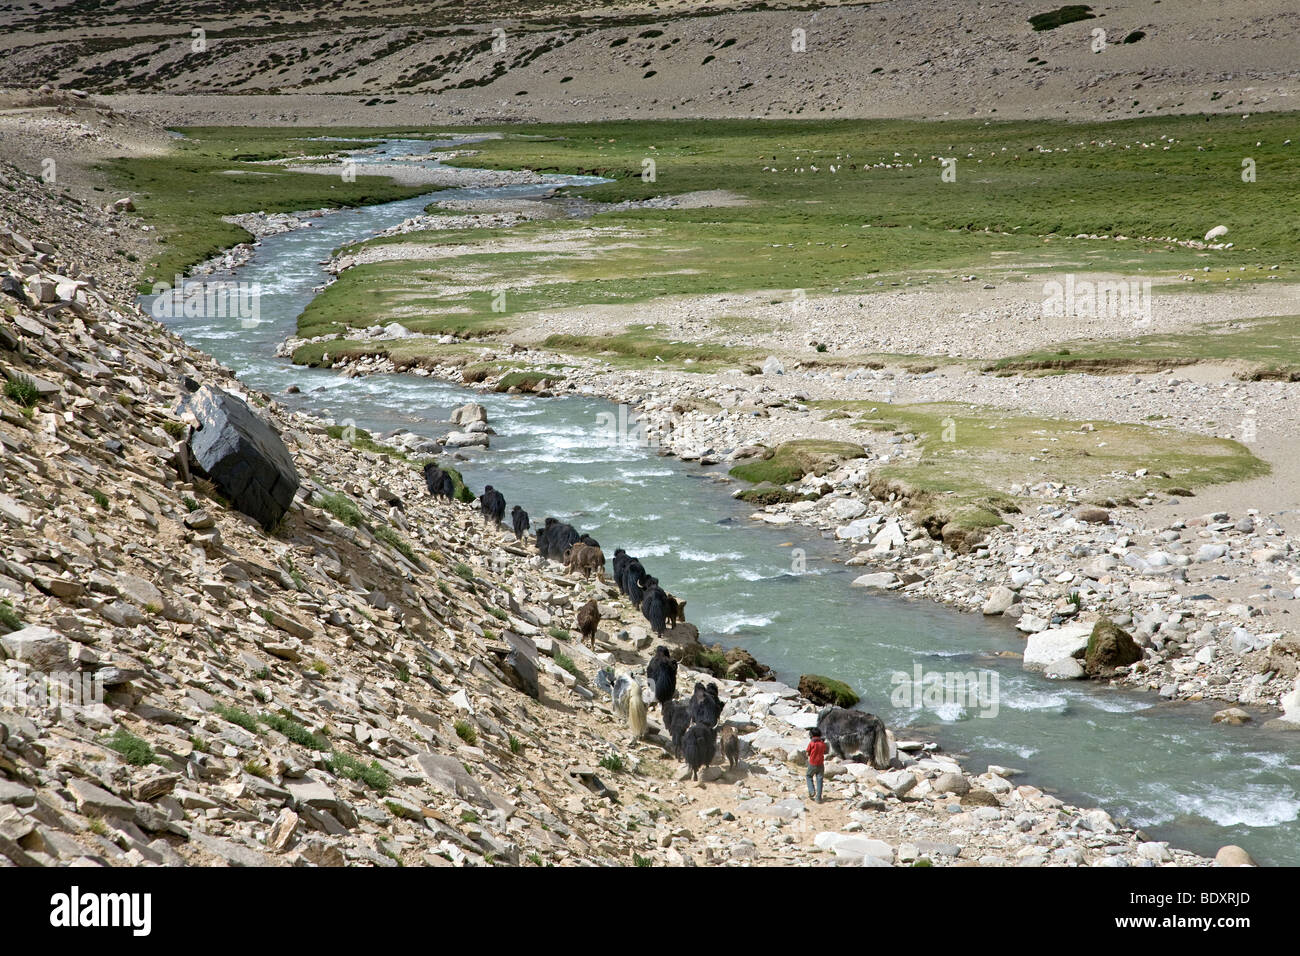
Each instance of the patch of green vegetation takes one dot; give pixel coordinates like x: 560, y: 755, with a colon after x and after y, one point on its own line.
x: 497, y: 613
x: 565, y: 662
x: 464, y: 570
x: 612, y: 762
x: 468, y: 816
x: 190, y: 504
x: 257, y: 769
x: 372, y: 775
x: 174, y: 428
x: 133, y: 749
x: 361, y: 439
x: 240, y: 718
x: 1268, y: 347
x: 213, y: 173
x: 343, y: 508
x: 828, y: 690
x: 558, y: 633
x: 466, y: 732
x: 640, y: 347
x: 772, y: 495
x: 101, y: 499
x: 394, y: 540
x: 295, y: 731
x: 22, y: 390
x: 703, y: 657
x: 642, y: 860
x: 794, y: 459
x: 516, y: 745
x: 10, y: 619
x: 527, y: 381
x: 970, y: 456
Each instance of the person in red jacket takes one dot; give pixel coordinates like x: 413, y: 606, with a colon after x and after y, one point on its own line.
x: 816, y: 763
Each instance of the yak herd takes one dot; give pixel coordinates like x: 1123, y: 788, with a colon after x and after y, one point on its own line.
x: 691, y: 724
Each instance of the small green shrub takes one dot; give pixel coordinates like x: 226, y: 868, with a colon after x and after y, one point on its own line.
x: 466, y: 732
x: 295, y: 731
x: 343, y: 508
x: 566, y: 662
x: 101, y: 499
x: 240, y: 718
x: 372, y: 775
x: 23, y: 391
x: 9, y: 618
x: 613, y: 763
x: 133, y: 749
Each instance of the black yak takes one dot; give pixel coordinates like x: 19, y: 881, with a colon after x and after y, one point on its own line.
x: 620, y: 565
x: 676, y: 718
x: 731, y: 746
x: 493, y: 505
x: 518, y: 521
x: 705, y: 706
x: 654, y: 606
x: 853, y: 731
x: 699, y: 744
x: 661, y: 671
x: 439, y: 483
x: 633, y: 576
x: 555, y: 538
x: 588, y: 621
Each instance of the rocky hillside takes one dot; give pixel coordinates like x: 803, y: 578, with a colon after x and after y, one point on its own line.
x: 413, y: 61
x: 376, y: 680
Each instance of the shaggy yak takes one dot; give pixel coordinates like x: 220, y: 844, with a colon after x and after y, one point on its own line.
x: 518, y: 521
x: 493, y: 505
x: 633, y: 575
x: 661, y: 671
x: 620, y: 566
x: 556, y: 537
x: 654, y: 606
x: 677, y: 718
x: 588, y: 620
x: 674, y: 610
x: 636, y: 711
x: 698, y: 747
x: 730, y: 746
x: 852, y: 731
x: 585, y: 558
x: 621, y: 692
x: 705, y: 707
x: 439, y: 483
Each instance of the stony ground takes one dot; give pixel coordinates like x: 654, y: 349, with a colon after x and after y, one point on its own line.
x: 335, y: 692
x: 415, y: 62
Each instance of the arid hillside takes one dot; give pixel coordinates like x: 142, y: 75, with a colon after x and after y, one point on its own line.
x: 204, y: 62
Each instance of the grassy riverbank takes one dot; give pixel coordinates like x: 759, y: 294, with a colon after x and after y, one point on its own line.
x: 217, y: 172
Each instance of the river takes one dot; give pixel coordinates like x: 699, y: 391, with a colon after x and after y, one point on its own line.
x: 782, y: 593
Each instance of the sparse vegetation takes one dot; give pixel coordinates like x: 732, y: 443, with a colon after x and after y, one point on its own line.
x: 466, y: 732
x: 372, y: 775
x: 22, y: 390
x: 134, y: 750
x: 10, y: 620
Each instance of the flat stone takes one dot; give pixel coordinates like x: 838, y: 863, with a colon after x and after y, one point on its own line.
x: 97, y: 801
x: 852, y: 847
x: 40, y: 647
x: 1053, y: 644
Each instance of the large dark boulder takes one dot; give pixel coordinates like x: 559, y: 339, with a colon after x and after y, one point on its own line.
x: 1109, y: 647
x: 242, y: 455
